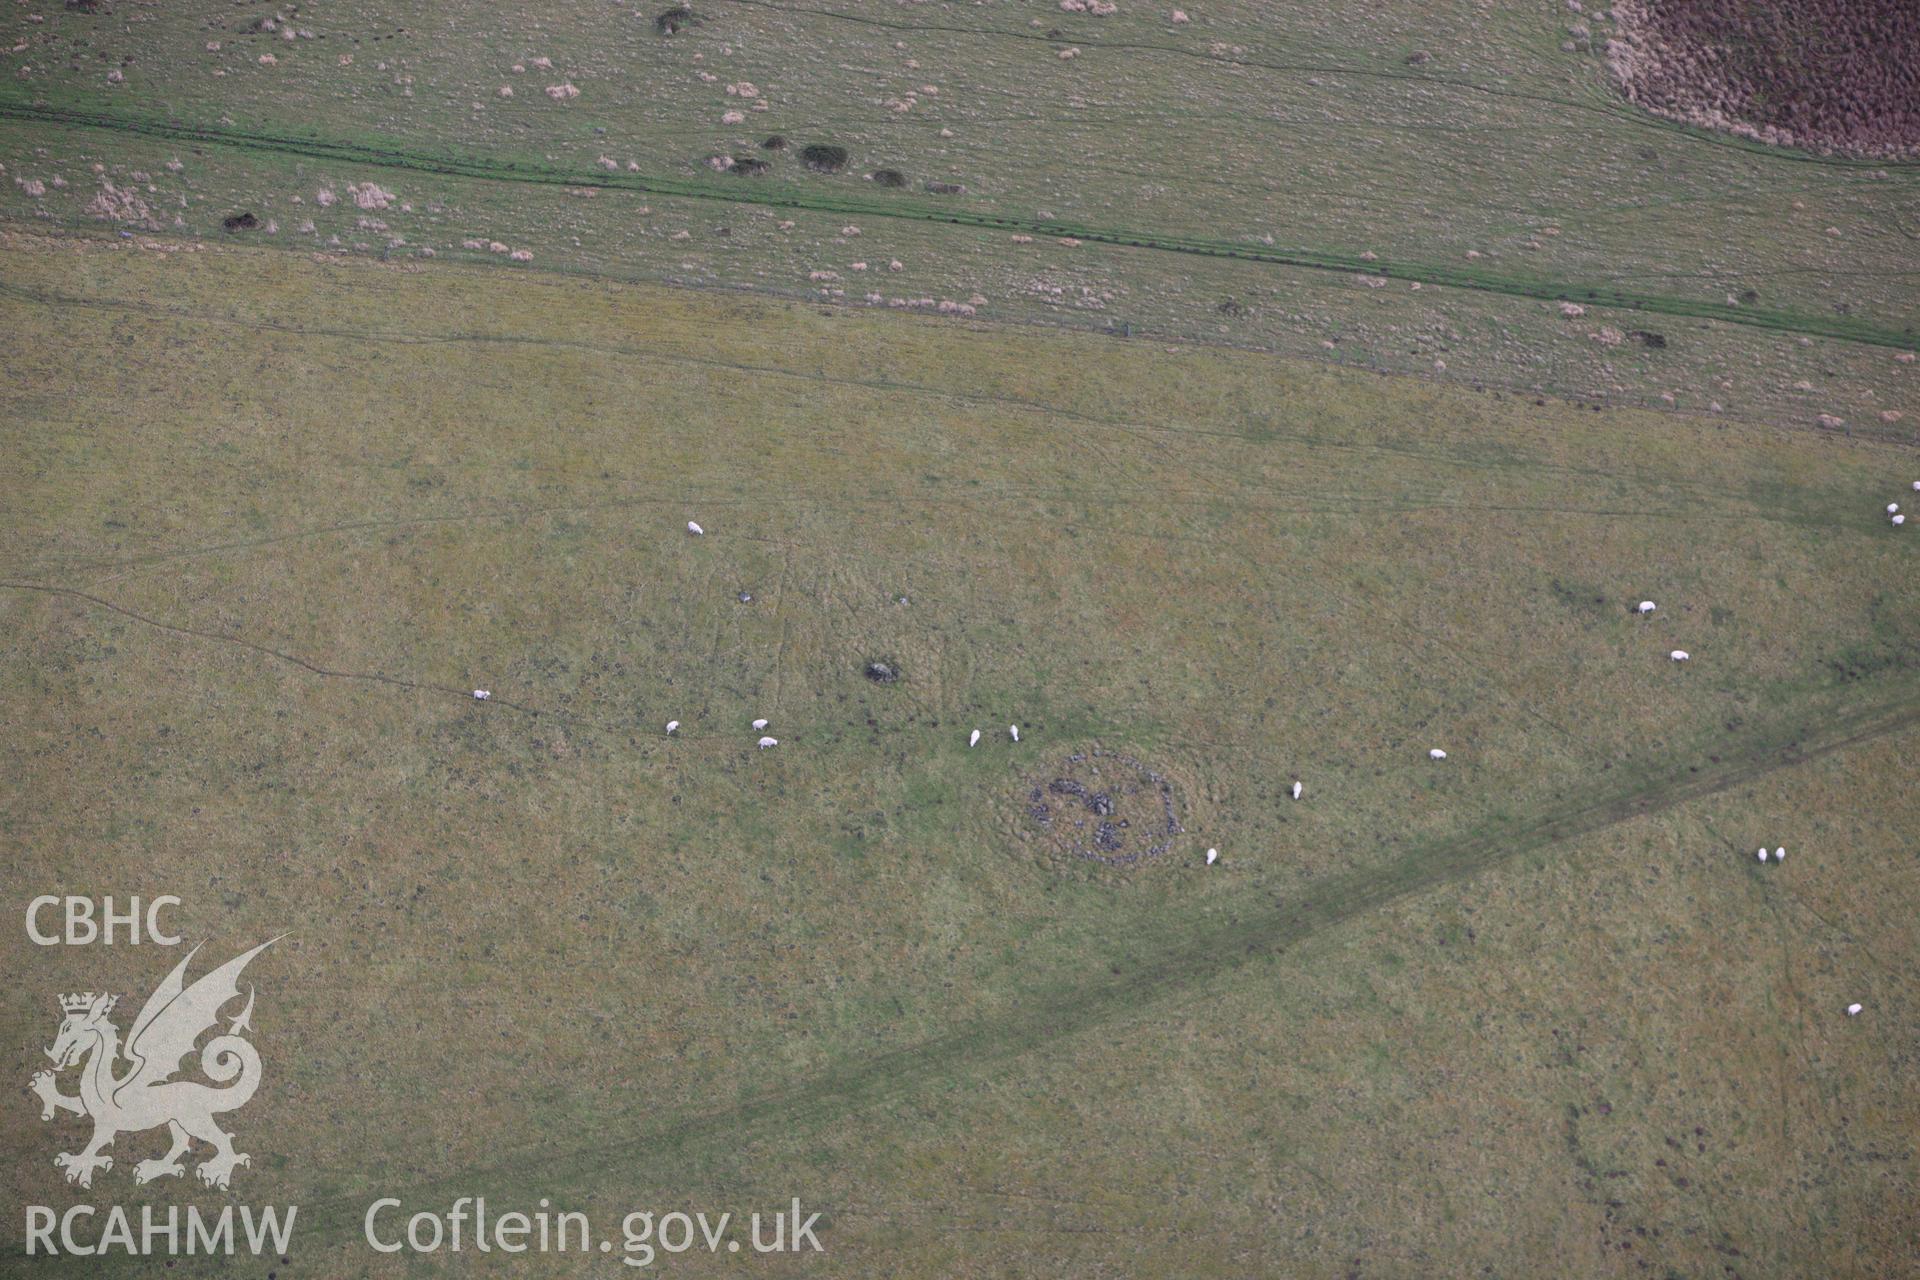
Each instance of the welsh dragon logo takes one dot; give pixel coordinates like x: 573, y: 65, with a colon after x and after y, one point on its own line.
x: 145, y: 1095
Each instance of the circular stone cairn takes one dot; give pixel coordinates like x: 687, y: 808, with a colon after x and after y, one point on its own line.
x: 1103, y: 807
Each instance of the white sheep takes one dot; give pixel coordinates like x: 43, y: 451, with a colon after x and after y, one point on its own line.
x: 694, y: 529
x: 759, y: 724
x: 1680, y: 655
x: 481, y: 695
x: 973, y: 740
x: 1899, y: 520
x: 673, y: 726
x: 1647, y: 606
x: 1780, y: 854
x: 1213, y: 856
x: 1892, y: 507
x: 1436, y: 754
x: 1297, y: 789
x: 1853, y: 1010
x: 1013, y: 731
x: 769, y: 742
x: 1762, y: 855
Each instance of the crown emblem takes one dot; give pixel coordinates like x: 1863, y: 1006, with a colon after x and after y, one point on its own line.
x: 81, y: 1001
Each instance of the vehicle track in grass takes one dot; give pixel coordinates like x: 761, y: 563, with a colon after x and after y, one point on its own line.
x: 736, y: 192
x: 1146, y: 969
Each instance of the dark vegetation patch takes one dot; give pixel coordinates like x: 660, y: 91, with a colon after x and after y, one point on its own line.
x: 240, y: 222
x: 673, y: 19
x: 946, y: 188
x: 823, y: 157
x: 749, y: 166
x: 881, y: 672
x: 1648, y: 338
x: 1824, y: 75
x: 889, y: 177
x: 1581, y: 599
x: 775, y: 143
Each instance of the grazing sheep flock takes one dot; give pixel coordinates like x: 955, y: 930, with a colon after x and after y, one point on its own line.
x: 1897, y: 516
x: 287, y: 493
x: 1644, y: 609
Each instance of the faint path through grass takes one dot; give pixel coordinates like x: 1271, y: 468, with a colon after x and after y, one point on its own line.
x: 735, y: 191
x: 1147, y: 967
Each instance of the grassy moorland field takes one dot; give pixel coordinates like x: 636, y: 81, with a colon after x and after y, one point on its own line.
x: 271, y: 517
x: 1028, y: 357
x: 1418, y: 188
